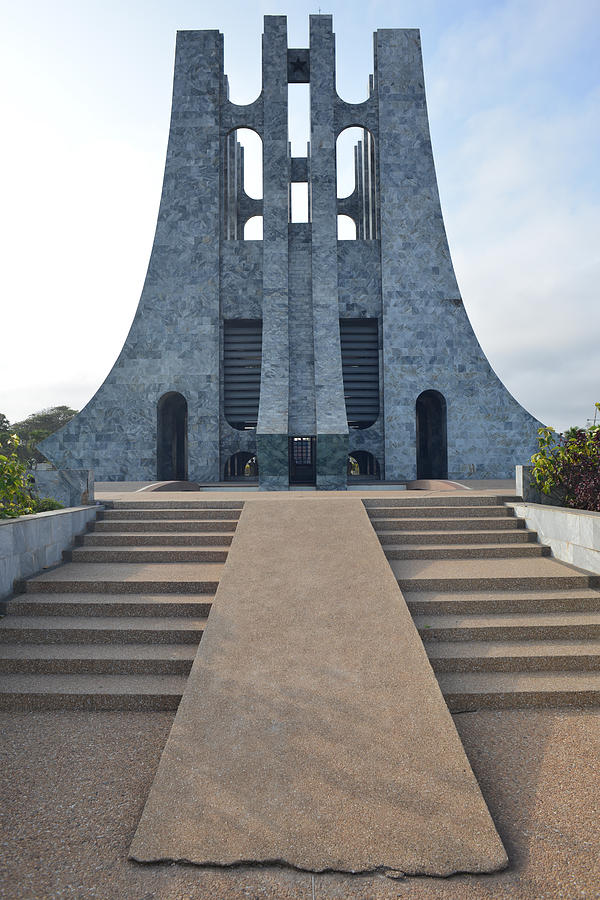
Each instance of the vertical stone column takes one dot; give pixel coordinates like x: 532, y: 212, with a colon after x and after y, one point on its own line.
x: 419, y: 289
x: 272, y: 430
x: 330, y: 408
x: 183, y: 275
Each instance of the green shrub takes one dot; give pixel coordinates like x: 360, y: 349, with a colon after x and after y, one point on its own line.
x: 16, y: 485
x: 46, y: 504
x: 568, y: 465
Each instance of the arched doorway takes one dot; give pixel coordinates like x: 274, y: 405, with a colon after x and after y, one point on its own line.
x: 432, y: 446
x: 171, y: 438
x: 242, y: 465
x: 362, y: 464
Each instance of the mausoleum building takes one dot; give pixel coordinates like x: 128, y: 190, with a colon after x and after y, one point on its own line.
x: 300, y: 354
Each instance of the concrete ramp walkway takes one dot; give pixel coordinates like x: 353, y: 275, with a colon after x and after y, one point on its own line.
x: 312, y: 730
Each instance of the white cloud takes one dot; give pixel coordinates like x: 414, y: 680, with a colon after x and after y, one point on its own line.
x: 516, y: 149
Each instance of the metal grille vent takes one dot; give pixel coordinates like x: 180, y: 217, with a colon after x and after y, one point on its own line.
x: 360, y: 366
x: 242, y: 358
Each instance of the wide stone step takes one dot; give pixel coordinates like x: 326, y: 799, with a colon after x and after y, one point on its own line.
x: 516, y: 656
x: 157, y: 539
x: 448, y: 575
x: 102, y: 659
x: 470, y: 551
x: 153, y: 555
x: 200, y: 506
x: 466, y: 691
x: 141, y: 513
x: 442, y: 512
x: 128, y: 578
x: 86, y: 604
x: 101, y: 629
x: 510, y: 627
x: 160, y: 526
x: 437, y: 603
x: 418, y: 538
x: 93, y: 692
x: 192, y: 503
x: 492, y: 523
x: 459, y: 498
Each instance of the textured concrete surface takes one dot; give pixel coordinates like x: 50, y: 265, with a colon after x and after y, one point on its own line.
x: 312, y: 730
x: 74, y: 783
x: 107, y: 598
x: 129, y: 578
x: 482, y: 623
x: 118, y: 492
x: 93, y: 692
x: 482, y: 574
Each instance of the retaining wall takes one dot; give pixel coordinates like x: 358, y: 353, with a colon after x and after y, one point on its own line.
x: 573, y: 534
x: 31, y: 543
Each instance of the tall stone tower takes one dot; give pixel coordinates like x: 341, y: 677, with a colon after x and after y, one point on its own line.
x: 294, y: 352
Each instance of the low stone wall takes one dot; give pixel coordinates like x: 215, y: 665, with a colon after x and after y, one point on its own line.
x: 573, y: 534
x: 71, y: 487
x: 31, y: 543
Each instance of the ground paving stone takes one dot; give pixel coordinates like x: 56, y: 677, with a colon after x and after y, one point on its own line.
x: 74, y: 783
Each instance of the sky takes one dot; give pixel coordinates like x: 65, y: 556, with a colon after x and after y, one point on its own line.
x: 513, y: 92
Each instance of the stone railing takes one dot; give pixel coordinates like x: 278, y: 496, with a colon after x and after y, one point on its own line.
x: 32, y: 543
x: 572, y: 534
x: 71, y: 487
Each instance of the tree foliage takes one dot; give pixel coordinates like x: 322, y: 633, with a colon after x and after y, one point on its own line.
x: 38, y: 426
x: 16, y: 485
x: 569, y: 465
x: 4, y: 430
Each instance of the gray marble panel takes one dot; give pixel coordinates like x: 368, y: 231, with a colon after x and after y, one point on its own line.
x: 71, y: 487
x: 359, y: 279
x: 332, y: 462
x: 329, y: 390
x: 274, y: 388
x: 273, y: 459
x: 300, y: 329
x: 241, y: 279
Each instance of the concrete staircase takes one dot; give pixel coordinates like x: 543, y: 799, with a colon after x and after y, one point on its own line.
x: 504, y: 624
x: 117, y: 625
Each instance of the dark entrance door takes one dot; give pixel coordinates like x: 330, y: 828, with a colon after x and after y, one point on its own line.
x: 171, y: 447
x: 432, y: 450
x: 303, y: 463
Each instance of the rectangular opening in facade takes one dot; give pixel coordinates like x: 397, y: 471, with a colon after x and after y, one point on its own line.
x: 242, y: 363
x: 299, y: 118
x: 359, y: 340
x: 299, y: 212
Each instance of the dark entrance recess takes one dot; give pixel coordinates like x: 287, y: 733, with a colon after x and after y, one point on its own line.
x: 171, y: 450
x: 362, y: 464
x: 303, y: 463
x: 242, y: 466
x: 432, y: 448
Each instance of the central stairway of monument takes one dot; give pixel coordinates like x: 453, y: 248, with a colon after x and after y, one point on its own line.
x: 118, y: 624
x: 503, y: 624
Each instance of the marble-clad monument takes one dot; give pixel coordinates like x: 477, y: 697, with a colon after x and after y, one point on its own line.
x: 290, y: 353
